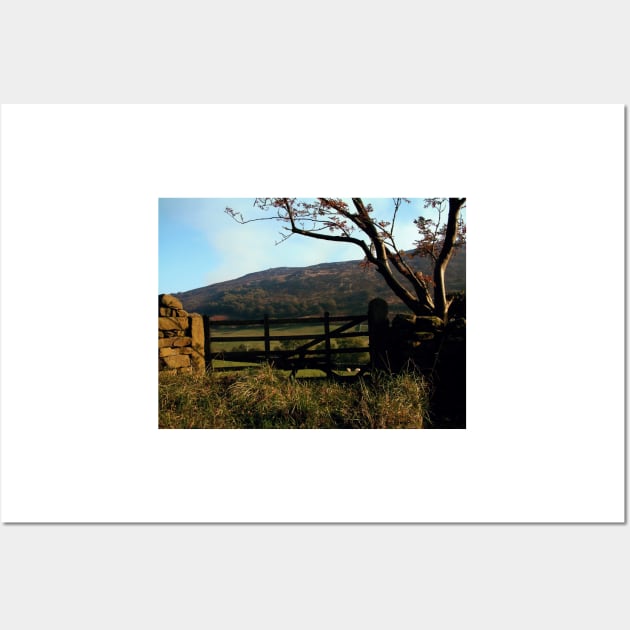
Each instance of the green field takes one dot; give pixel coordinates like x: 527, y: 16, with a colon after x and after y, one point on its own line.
x: 280, y: 329
x: 342, y: 360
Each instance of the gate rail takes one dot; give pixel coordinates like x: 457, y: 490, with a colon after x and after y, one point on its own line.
x: 304, y: 356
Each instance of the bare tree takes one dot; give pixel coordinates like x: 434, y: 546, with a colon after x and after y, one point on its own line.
x: 332, y: 219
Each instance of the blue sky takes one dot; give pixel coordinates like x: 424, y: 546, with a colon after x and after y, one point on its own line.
x: 199, y: 244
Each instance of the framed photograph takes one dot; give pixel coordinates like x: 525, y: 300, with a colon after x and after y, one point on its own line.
x: 296, y: 332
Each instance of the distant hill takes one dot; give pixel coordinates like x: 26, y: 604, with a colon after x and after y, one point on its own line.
x: 340, y: 288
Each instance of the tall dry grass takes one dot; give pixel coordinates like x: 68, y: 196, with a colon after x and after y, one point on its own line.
x: 269, y: 399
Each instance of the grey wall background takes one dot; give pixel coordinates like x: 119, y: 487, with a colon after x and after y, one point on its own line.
x: 282, y: 576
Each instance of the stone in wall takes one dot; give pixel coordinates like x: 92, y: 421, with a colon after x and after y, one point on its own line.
x: 172, y: 312
x: 180, y: 337
x: 168, y: 301
x: 178, y: 342
x: 168, y: 342
x: 173, y: 323
x: 170, y: 306
x: 171, y: 333
x: 428, y: 324
x: 177, y: 361
x: 167, y: 352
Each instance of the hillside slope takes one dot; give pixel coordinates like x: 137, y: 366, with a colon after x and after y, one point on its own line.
x: 340, y: 288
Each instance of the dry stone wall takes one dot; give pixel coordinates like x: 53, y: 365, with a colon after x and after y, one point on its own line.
x: 180, y: 338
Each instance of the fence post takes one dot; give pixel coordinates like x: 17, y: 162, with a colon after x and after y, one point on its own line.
x: 378, y: 330
x: 327, y: 343
x: 267, y: 341
x: 207, y: 342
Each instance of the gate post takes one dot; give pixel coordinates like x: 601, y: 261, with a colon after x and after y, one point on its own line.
x: 378, y: 330
x: 207, y: 344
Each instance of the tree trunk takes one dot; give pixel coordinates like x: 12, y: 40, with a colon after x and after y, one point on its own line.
x: 413, y: 303
x: 441, y: 303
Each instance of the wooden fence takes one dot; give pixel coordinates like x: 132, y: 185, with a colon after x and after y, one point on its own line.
x: 317, y: 351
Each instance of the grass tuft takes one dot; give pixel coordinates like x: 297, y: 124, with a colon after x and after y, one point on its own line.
x: 269, y: 399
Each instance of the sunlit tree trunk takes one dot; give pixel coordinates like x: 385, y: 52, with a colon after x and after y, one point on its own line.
x: 440, y: 300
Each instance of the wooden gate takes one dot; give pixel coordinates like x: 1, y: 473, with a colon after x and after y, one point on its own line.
x: 317, y: 351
